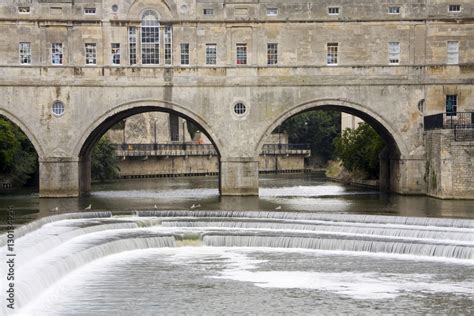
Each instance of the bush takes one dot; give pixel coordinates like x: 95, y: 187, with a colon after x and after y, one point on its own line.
x: 359, y: 150
x: 18, y: 157
x: 104, y: 161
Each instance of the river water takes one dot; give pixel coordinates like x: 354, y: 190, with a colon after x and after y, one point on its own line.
x: 305, y: 246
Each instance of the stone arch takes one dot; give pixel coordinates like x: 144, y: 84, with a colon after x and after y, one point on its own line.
x: 167, y: 9
x: 103, y: 123
x: 24, y: 129
x: 392, y: 138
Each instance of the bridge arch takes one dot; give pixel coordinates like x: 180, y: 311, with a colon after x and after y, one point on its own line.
x: 392, y: 138
x: 102, y: 124
x: 13, y: 118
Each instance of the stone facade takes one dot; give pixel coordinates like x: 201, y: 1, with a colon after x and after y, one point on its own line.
x: 390, y: 68
x: 449, y: 166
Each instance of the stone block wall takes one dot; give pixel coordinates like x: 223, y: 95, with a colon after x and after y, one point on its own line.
x: 449, y: 166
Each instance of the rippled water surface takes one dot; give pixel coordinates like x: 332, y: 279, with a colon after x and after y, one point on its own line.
x: 309, y: 192
x: 217, y: 281
x: 304, y: 246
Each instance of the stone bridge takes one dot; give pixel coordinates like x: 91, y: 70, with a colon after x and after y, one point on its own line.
x: 236, y: 105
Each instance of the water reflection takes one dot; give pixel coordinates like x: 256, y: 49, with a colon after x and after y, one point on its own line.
x: 294, y: 192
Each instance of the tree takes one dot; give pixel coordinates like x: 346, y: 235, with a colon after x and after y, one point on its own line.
x: 104, y: 161
x: 316, y: 128
x: 18, y: 157
x: 359, y: 150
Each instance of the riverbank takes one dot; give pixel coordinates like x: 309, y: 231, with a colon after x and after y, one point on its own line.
x: 336, y: 172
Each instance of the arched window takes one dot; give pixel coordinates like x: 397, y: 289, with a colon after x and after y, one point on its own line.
x: 150, y: 38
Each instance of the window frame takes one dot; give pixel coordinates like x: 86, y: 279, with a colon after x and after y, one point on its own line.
x: 93, y: 11
x: 241, y: 54
x: 208, y: 11
x: 150, y: 38
x: 271, y: 11
x: 59, y: 52
x: 22, y: 54
x: 337, y: 10
x: 454, y: 8
x: 115, y: 51
x: 168, y: 44
x: 394, y: 10
x: 184, y: 54
x: 211, y: 54
x: 453, y: 104
x: 451, y: 53
x: 90, y: 50
x: 272, y: 54
x: 132, y: 45
x: 332, y: 57
x: 19, y: 9
x: 391, y: 53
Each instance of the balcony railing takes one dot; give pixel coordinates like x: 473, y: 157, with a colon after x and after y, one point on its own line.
x: 188, y: 149
x: 461, y: 122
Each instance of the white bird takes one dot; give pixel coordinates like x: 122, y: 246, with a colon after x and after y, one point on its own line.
x: 195, y: 206
x: 89, y: 207
x: 278, y: 207
x: 156, y: 207
x: 56, y: 209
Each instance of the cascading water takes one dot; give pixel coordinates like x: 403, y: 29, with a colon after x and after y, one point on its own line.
x: 52, y: 248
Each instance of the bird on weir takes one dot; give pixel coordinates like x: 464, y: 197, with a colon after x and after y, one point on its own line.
x: 89, y: 207
x: 278, y: 207
x: 195, y: 206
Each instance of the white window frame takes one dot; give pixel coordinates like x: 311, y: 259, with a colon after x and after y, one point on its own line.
x: 150, y: 49
x: 332, y: 54
x: 272, y: 53
x: 184, y: 54
x: 453, y: 52
x: 208, y: 11
x: 90, y: 11
x: 334, y: 10
x: 90, y: 50
x: 24, y: 53
x: 168, y: 44
x: 132, y: 45
x: 272, y: 11
x: 394, y: 10
x: 24, y: 10
x: 394, y: 53
x: 115, y: 51
x: 454, y: 8
x: 241, y: 54
x: 211, y: 54
x: 57, y: 50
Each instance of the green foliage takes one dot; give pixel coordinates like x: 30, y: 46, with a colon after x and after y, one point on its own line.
x: 318, y: 128
x: 18, y: 157
x: 359, y: 150
x: 103, y: 161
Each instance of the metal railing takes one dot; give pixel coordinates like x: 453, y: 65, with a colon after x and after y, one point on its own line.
x: 182, y: 149
x: 189, y: 149
x: 283, y: 149
x: 461, y: 122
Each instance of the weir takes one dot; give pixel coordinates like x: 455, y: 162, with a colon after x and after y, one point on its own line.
x: 52, y: 247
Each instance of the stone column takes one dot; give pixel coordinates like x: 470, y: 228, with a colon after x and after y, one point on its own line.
x: 239, y: 177
x: 407, y: 175
x: 85, y: 176
x: 59, y: 177
x: 384, y: 170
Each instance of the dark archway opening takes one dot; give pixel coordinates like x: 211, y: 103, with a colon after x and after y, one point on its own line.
x: 18, y: 157
x: 306, y: 141
x: 149, y: 142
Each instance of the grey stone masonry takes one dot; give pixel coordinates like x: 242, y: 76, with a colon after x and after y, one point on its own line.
x: 236, y: 69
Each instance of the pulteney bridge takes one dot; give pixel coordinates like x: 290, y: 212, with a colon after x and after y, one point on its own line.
x: 225, y: 73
